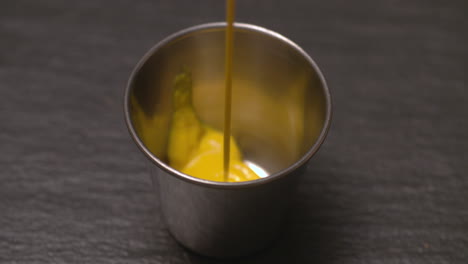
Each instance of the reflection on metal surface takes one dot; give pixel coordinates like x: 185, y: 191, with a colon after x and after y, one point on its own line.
x: 257, y: 169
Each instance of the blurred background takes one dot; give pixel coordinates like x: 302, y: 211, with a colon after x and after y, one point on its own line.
x: 388, y: 186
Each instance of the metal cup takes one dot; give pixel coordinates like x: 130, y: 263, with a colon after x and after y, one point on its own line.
x: 281, y: 113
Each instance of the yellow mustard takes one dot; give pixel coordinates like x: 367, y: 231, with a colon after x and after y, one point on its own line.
x: 197, y: 149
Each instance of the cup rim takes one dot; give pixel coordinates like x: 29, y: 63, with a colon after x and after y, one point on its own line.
x: 228, y: 185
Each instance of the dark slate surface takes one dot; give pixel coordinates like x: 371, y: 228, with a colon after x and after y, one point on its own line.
x: 389, y: 185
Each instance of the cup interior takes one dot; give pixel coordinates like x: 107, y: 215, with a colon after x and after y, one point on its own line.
x: 280, y: 101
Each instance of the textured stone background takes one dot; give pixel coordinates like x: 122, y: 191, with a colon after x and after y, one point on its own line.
x: 388, y: 186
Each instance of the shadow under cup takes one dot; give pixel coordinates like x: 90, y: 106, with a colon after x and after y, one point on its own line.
x: 281, y: 110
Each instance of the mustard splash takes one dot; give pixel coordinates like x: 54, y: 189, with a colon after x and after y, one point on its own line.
x: 197, y: 149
